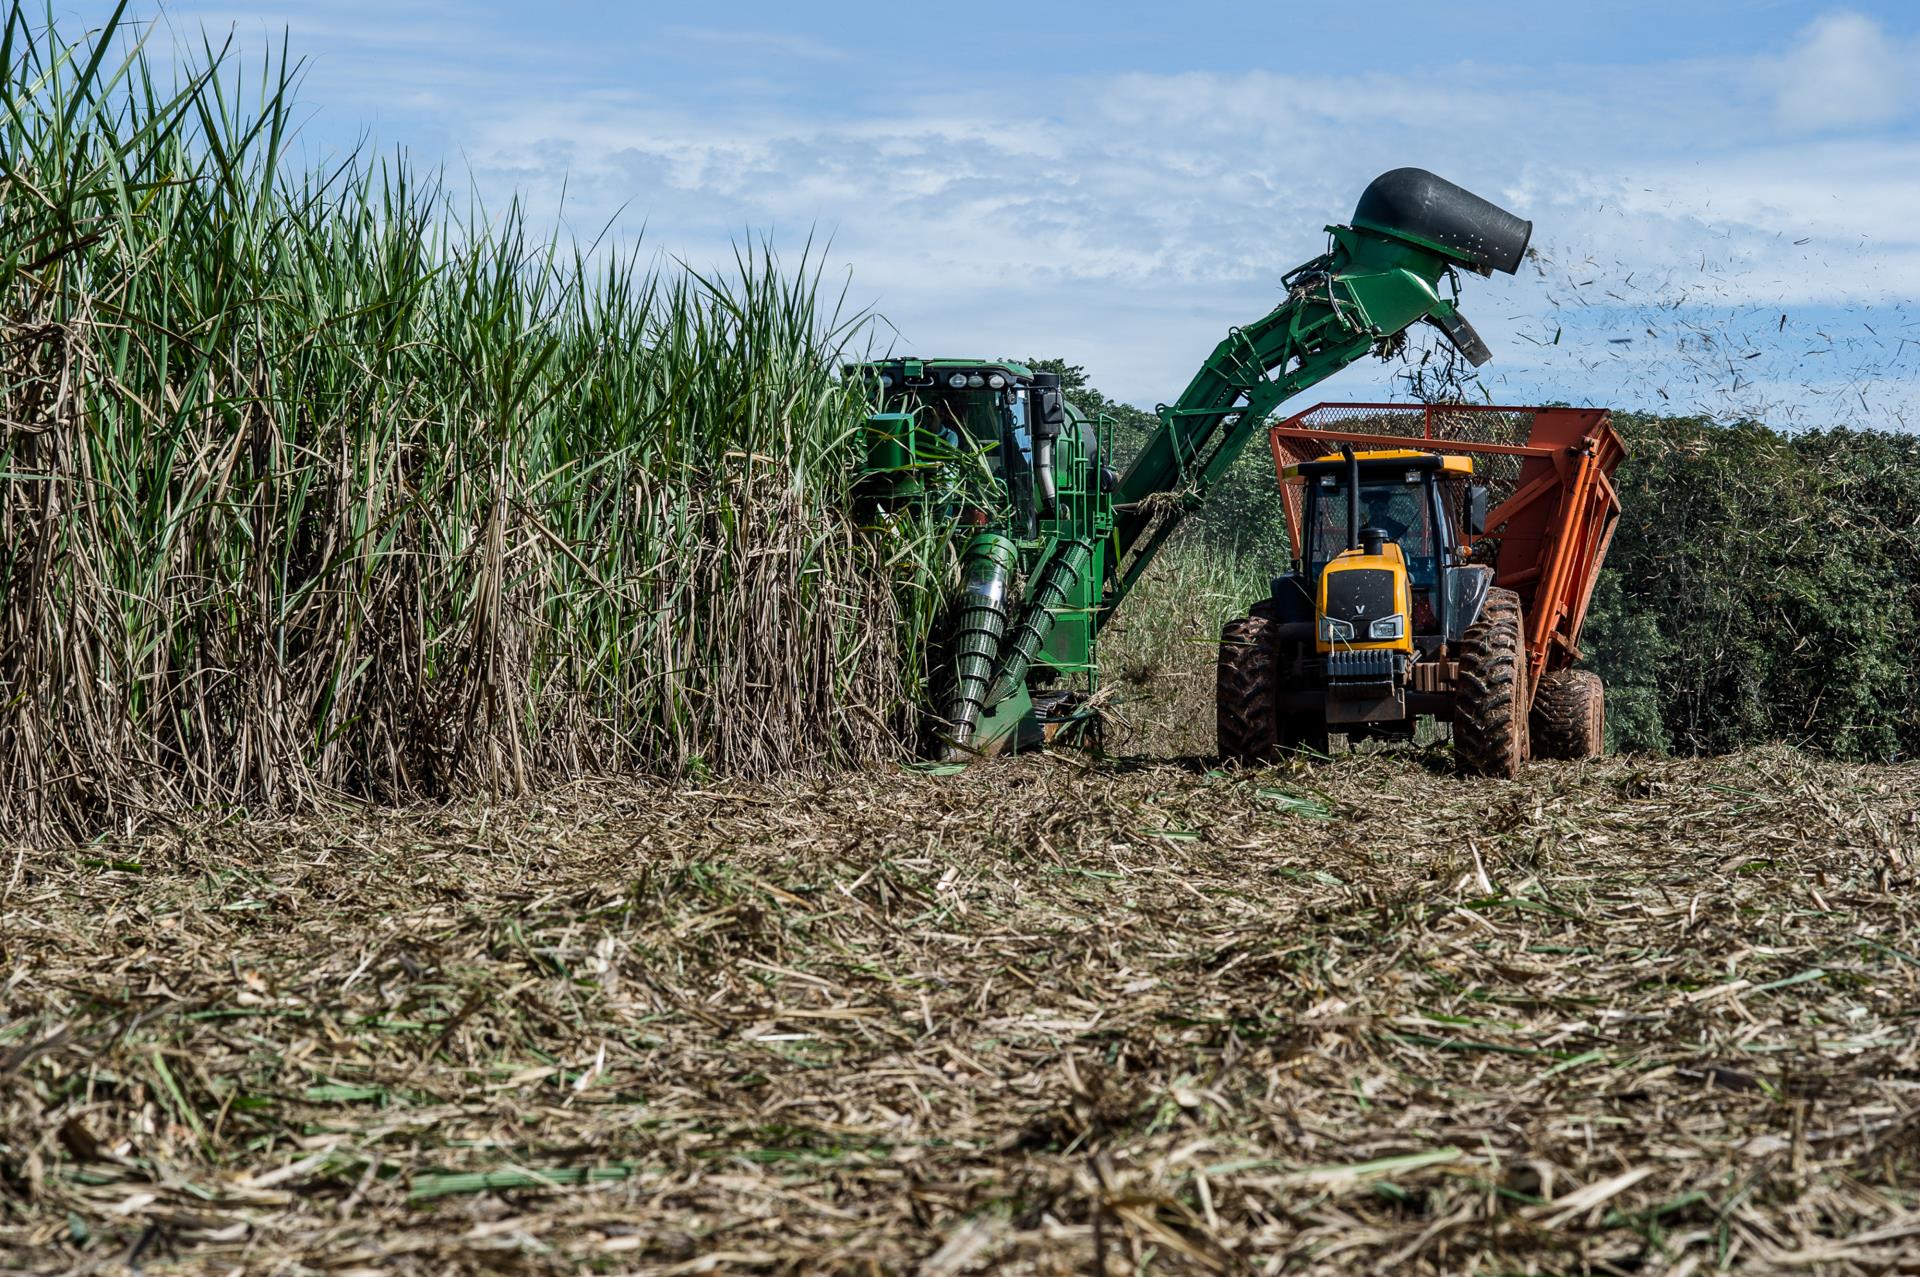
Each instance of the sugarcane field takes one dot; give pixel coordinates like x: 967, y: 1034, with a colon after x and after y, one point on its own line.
x: 1048, y: 640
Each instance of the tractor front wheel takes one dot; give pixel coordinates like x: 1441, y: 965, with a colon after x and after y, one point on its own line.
x: 1490, y: 696
x: 1244, y: 700
x: 1569, y: 715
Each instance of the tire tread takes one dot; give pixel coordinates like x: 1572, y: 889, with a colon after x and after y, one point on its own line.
x: 1244, y: 700
x: 1569, y: 716
x: 1490, y: 701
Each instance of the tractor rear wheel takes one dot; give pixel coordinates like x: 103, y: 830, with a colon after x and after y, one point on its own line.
x: 1490, y: 695
x: 1569, y: 715
x: 1244, y: 691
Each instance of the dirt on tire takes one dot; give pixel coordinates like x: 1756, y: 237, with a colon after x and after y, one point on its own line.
x: 1244, y: 699
x: 1490, y: 708
x: 1569, y: 719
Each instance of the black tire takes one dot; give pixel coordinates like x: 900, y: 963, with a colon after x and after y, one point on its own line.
x: 1244, y: 700
x: 1569, y: 716
x: 1490, y: 696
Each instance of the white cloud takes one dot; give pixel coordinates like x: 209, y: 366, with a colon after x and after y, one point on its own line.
x: 759, y: 44
x: 1845, y: 70
x: 1127, y: 221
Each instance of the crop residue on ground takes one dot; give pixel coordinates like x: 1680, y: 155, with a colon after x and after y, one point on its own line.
x: 1649, y: 1016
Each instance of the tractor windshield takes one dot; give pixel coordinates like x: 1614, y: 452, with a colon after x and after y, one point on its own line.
x: 1400, y: 507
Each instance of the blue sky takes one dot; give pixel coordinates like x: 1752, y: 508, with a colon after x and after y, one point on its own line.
x: 1724, y: 193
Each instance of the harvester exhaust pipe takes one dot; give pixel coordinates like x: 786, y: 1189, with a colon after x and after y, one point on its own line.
x: 1043, y: 476
x: 1353, y: 496
x: 1046, y: 418
x: 986, y: 581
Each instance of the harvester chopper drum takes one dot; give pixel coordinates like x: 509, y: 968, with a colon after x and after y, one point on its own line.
x: 1409, y: 597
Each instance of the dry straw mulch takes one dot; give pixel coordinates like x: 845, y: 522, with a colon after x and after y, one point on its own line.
x: 1635, y: 1016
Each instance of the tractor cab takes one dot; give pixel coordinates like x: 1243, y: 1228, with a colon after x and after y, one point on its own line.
x: 1395, y: 538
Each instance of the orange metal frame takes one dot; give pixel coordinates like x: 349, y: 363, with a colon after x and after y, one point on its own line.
x: 1553, y: 528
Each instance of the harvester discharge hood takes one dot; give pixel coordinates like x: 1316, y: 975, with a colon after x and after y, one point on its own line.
x: 1427, y: 225
x: 1414, y: 205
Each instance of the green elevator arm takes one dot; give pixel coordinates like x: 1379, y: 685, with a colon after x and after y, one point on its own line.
x: 1382, y: 274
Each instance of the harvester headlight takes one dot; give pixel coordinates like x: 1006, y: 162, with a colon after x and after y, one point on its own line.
x: 1335, y: 631
x: 958, y: 381
x: 997, y: 382
x: 1389, y: 627
x: 976, y: 381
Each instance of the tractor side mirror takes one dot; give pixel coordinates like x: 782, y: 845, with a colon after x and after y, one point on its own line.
x: 1477, y: 509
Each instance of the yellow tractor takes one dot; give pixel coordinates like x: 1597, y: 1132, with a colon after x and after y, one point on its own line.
x: 1409, y: 598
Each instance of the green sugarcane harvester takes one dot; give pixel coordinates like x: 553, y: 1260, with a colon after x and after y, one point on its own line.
x: 1024, y: 477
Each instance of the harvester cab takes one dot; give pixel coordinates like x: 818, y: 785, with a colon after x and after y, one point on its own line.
x: 1021, y: 440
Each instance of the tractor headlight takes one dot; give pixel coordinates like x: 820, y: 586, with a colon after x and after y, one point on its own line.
x: 1334, y: 631
x: 997, y: 382
x: 886, y: 382
x: 976, y: 381
x: 1389, y: 627
x: 958, y: 381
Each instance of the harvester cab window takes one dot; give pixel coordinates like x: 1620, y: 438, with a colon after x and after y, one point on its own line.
x: 935, y: 417
x: 981, y: 422
x: 1017, y: 407
x: 992, y: 422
